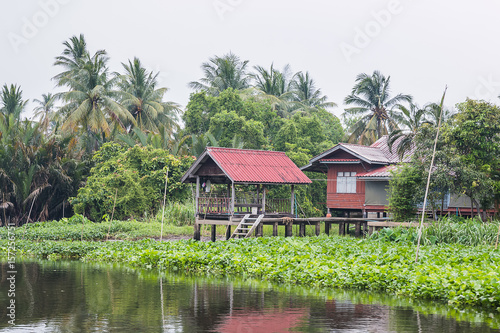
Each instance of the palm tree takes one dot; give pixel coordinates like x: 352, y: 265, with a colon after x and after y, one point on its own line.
x: 144, y: 101
x: 91, y: 101
x: 72, y: 59
x: 275, y: 86
x: 305, y: 92
x: 434, y: 111
x: 222, y: 73
x: 411, y: 119
x: 11, y: 99
x: 45, y: 109
x: 371, y: 95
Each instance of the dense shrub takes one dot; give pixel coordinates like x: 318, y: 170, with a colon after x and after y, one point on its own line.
x: 136, y: 176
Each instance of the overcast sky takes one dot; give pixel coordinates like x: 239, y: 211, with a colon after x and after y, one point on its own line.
x: 423, y: 45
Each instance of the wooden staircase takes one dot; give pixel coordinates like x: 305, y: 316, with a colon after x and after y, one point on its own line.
x: 246, y: 226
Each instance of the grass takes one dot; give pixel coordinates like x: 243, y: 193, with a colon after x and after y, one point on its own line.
x: 78, y: 227
x: 451, y: 230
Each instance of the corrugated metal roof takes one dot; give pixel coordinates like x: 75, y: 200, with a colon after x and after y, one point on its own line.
x: 257, y: 166
x: 372, y: 154
x: 392, y: 155
x: 383, y: 172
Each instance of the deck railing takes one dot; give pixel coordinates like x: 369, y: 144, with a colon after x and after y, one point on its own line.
x: 278, y: 206
x: 218, y: 205
x: 221, y: 205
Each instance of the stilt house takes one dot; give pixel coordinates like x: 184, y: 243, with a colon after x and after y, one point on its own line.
x: 358, y: 179
x: 238, y: 167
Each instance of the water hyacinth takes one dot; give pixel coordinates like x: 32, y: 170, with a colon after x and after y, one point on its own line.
x: 450, y: 273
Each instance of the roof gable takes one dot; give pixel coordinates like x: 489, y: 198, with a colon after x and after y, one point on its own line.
x: 378, y: 153
x: 250, y: 166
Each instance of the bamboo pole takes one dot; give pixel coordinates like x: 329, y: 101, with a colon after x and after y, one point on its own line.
x: 29, y: 214
x: 4, y: 216
x: 112, y: 214
x: 429, y: 176
x: 83, y: 224
x: 163, y: 210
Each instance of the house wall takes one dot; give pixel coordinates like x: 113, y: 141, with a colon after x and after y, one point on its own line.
x: 336, y: 200
x: 376, y: 193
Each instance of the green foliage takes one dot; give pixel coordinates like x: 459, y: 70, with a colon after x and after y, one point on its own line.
x: 405, y: 191
x: 452, y: 230
x: 78, y: 227
x: 231, y: 125
x: 455, y: 274
x: 177, y: 213
x: 137, y: 177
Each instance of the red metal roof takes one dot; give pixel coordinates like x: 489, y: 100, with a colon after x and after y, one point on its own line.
x: 383, y: 172
x: 250, y: 166
x: 257, y: 166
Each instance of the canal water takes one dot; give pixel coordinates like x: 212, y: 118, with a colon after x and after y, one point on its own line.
x: 65, y: 296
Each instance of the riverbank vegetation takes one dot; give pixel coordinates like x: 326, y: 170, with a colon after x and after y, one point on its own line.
x: 450, y: 273
x: 110, y: 134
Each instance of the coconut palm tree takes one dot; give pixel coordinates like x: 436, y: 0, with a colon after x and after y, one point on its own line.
x: 44, y: 110
x: 434, y: 111
x: 72, y: 59
x: 91, y: 101
x: 371, y: 95
x: 410, y: 119
x: 144, y: 100
x: 306, y: 94
x: 222, y: 73
x: 275, y: 86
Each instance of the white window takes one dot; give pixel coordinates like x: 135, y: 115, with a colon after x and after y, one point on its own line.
x: 346, y: 182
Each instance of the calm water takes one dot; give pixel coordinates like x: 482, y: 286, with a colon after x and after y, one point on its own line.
x: 78, y: 297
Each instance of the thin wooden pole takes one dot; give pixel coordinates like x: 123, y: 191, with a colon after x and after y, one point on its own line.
x: 112, y: 214
x: 429, y: 176
x: 163, y: 209
x: 29, y: 214
x: 4, y: 216
x: 83, y: 224
x: 498, y: 234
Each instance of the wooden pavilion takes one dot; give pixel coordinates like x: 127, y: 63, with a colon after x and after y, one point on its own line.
x: 234, y: 167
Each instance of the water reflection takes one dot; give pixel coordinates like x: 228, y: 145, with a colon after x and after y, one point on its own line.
x: 76, y: 297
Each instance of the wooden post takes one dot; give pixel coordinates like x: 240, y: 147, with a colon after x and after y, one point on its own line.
x: 289, y: 229
x: 213, y: 233
x: 197, y: 231
x: 275, y: 229
x: 263, y: 199
x: 302, y: 229
x: 327, y: 228
x: 341, y: 228
x: 197, y: 195
x: 292, y: 201
x: 233, y: 196
x: 357, y: 231
x: 259, y: 230
x: 228, y: 194
x: 258, y: 195
x: 318, y: 228
x: 228, y: 232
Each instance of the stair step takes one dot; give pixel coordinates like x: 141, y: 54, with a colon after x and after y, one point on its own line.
x: 246, y: 223
x: 239, y: 233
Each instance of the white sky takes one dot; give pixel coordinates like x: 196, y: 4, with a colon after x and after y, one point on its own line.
x: 423, y: 45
